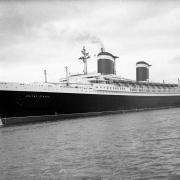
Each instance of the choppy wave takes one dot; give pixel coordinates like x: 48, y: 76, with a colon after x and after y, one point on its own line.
x: 143, y: 145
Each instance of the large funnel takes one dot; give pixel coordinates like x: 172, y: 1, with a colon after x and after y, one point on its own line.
x: 106, y: 63
x: 142, y: 71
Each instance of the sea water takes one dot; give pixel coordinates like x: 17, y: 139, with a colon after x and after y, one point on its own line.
x: 141, y: 145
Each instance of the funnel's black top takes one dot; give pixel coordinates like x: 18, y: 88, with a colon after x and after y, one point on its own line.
x: 107, y: 53
x: 142, y: 62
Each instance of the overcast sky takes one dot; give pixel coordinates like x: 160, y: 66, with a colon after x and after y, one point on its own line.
x: 38, y: 35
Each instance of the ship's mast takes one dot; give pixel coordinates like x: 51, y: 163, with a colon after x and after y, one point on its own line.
x: 84, y: 59
x: 67, y: 79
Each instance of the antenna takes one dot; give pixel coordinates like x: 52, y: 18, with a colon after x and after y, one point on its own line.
x: 84, y: 59
x: 45, y: 76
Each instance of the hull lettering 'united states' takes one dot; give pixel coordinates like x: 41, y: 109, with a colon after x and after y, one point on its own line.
x: 85, y: 94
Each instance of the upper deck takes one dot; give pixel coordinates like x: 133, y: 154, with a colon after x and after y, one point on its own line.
x: 96, y: 84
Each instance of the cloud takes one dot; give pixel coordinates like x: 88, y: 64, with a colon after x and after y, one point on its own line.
x: 43, y: 32
x: 175, y: 60
x: 18, y: 19
x: 65, y: 31
x: 19, y: 15
x: 21, y: 20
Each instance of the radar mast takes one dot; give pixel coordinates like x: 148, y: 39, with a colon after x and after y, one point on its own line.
x: 84, y: 59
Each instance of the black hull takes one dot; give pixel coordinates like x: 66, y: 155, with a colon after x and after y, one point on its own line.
x: 19, y: 104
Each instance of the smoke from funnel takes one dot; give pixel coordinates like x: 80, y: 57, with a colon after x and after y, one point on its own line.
x: 98, y: 41
x: 84, y: 36
x: 68, y: 33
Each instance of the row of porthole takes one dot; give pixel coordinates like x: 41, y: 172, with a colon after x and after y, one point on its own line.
x: 155, y: 91
x: 111, y: 88
x: 25, y: 88
x: 106, y: 92
x: 148, y: 90
x: 141, y: 91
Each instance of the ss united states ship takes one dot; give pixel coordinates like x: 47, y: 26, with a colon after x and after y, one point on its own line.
x: 85, y: 94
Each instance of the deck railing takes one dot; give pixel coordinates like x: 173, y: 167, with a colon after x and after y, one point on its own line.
x: 87, y: 87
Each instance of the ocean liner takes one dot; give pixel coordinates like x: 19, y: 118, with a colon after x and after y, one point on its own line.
x: 85, y: 94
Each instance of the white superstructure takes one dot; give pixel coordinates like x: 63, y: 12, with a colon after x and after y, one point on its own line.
x: 96, y: 84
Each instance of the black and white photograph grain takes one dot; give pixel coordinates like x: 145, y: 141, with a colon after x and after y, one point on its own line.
x: 89, y: 90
